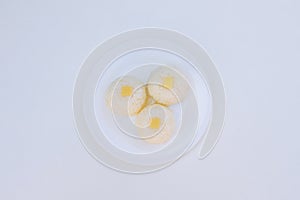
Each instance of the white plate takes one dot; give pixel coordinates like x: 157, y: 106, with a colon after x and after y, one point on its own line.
x: 137, y: 53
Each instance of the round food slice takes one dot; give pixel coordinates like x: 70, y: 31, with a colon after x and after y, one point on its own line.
x: 167, y: 86
x: 126, y: 96
x: 155, y: 124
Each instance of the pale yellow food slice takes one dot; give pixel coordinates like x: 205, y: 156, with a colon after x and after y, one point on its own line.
x: 167, y: 86
x: 126, y: 96
x: 155, y: 127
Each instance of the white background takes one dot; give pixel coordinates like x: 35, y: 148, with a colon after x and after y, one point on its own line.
x: 256, y: 46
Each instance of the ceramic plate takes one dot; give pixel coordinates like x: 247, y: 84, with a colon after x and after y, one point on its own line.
x: 109, y: 138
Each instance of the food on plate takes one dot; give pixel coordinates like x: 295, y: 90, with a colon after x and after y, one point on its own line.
x: 155, y: 124
x: 126, y: 96
x: 167, y: 86
x: 148, y: 103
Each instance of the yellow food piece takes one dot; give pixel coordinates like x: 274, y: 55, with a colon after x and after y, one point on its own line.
x: 126, y: 91
x: 155, y: 123
x: 168, y: 82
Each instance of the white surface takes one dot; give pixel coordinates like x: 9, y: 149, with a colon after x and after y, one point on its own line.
x: 256, y: 47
